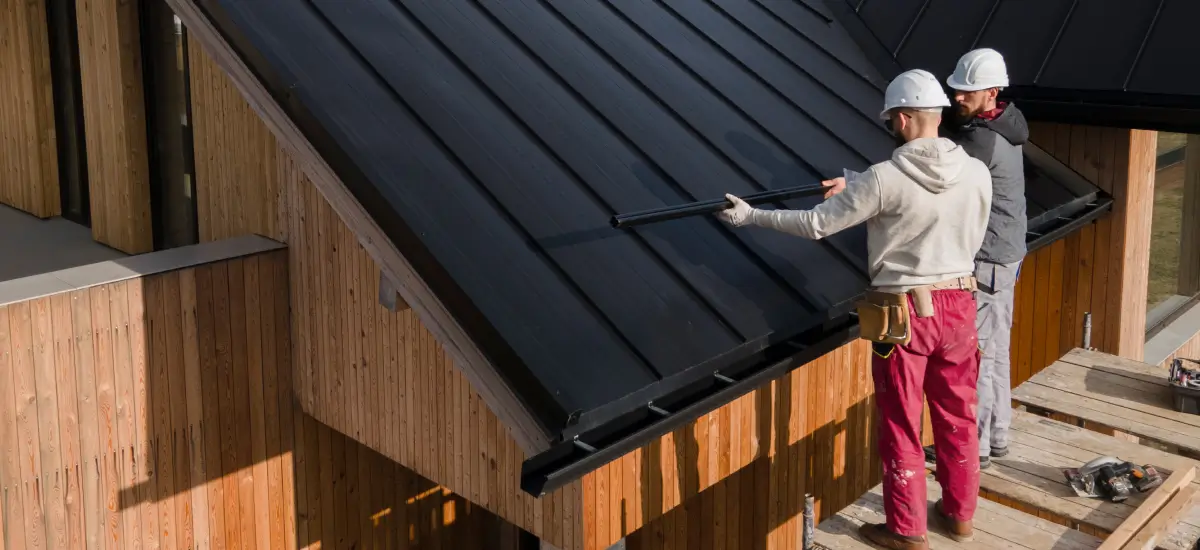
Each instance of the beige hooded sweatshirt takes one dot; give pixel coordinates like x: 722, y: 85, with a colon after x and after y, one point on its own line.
x: 926, y: 211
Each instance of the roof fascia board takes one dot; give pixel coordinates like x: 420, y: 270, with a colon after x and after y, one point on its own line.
x: 523, y: 425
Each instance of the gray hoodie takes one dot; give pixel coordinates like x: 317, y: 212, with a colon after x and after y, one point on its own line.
x: 997, y: 142
x: 926, y: 211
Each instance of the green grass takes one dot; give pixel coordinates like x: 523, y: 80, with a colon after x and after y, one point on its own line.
x: 1164, y: 233
x: 1168, y: 141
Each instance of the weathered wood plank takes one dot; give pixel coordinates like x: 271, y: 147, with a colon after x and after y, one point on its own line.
x: 996, y: 526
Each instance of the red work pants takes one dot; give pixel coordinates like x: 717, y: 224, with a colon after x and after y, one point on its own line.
x: 941, y: 361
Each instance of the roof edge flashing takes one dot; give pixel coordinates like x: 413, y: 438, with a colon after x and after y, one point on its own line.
x: 573, y: 458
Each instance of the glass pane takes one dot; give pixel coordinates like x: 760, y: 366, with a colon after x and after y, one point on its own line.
x: 1167, y: 221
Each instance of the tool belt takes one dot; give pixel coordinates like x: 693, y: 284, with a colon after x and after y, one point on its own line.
x: 884, y: 316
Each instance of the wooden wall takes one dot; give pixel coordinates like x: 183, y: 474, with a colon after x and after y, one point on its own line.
x: 346, y: 345
x: 28, y: 147
x: 158, y: 413
x: 115, y: 123
x: 1102, y: 268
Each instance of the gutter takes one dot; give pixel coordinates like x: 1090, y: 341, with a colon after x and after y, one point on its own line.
x: 571, y: 459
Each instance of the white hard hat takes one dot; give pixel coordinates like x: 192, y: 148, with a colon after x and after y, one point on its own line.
x: 915, y: 89
x: 979, y: 70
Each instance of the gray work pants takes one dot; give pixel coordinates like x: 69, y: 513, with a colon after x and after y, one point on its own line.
x: 994, y: 318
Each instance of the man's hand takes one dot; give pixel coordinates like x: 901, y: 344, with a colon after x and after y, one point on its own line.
x: 737, y: 215
x: 835, y: 185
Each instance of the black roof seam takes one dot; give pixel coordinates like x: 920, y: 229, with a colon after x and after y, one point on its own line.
x: 912, y: 25
x: 578, y: 179
x: 814, y: 11
x: 754, y: 74
x: 771, y: 13
x: 986, y: 22
x: 838, y: 252
x: 788, y: 60
x: 484, y: 191
x: 735, y: 236
x: 1142, y: 47
x: 645, y: 157
x: 1054, y: 45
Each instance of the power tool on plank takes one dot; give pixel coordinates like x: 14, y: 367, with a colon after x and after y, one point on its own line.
x: 1111, y: 478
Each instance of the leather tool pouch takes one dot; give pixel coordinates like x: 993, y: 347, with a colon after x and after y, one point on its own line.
x: 922, y: 301
x: 884, y: 317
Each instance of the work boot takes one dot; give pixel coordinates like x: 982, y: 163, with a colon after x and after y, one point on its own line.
x: 999, y: 452
x: 879, y: 534
x: 960, y: 531
x: 985, y: 462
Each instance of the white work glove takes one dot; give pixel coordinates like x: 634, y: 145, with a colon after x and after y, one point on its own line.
x: 737, y: 215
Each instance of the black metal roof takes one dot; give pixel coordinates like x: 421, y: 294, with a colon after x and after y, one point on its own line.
x: 1112, y: 62
x: 493, y: 140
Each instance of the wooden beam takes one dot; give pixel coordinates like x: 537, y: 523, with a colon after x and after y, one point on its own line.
x: 1189, y: 235
x: 524, y: 427
x: 1129, y: 259
x: 389, y: 294
x: 1148, y: 509
x: 114, y: 113
x: 1165, y: 519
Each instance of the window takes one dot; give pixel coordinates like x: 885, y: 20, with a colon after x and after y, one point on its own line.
x: 1175, y: 228
x: 168, y: 116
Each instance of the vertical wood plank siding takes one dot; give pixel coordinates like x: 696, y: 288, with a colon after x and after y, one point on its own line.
x: 28, y: 154
x: 159, y: 412
x: 1102, y: 268
x: 114, y: 116
x: 733, y: 479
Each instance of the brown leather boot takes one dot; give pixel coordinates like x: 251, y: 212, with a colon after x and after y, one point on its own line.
x: 960, y: 531
x: 879, y: 534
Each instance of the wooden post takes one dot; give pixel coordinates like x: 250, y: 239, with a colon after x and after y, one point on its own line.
x: 110, y: 66
x: 1189, y: 235
x: 1129, y: 259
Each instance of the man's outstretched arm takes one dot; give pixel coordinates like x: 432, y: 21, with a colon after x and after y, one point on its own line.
x: 857, y: 202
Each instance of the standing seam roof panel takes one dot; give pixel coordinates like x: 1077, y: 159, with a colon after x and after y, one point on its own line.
x: 380, y: 135
x: 562, y: 123
x: 624, y: 280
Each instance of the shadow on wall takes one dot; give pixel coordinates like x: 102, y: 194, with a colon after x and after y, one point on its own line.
x: 761, y: 505
x: 158, y: 412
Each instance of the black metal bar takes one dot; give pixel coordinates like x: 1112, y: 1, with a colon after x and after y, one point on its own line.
x: 713, y: 206
x: 1142, y: 48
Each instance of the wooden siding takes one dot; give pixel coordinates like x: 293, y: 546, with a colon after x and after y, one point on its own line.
x: 158, y: 412
x: 28, y: 147
x: 1101, y: 268
x: 115, y: 124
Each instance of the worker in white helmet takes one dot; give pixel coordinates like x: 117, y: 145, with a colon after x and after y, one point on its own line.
x: 926, y: 211
x: 993, y: 131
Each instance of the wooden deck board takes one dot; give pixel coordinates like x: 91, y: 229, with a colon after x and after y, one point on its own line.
x: 1032, y: 475
x: 1126, y: 396
x: 996, y: 526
